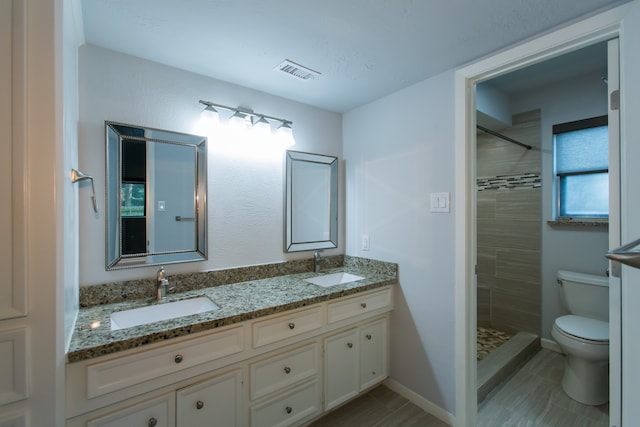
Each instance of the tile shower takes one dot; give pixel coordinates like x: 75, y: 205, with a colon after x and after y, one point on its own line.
x: 509, y: 222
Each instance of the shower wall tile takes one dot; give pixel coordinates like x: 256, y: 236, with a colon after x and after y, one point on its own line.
x: 522, y: 203
x: 509, y: 233
x: 484, y: 307
x: 528, y: 119
x: 486, y: 204
x: 525, y: 302
x: 530, y: 291
x: 518, y: 264
x: 513, y: 321
x: 486, y: 261
x: 509, y: 223
x: 499, y: 157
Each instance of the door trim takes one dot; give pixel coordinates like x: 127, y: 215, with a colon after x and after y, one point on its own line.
x: 596, y: 29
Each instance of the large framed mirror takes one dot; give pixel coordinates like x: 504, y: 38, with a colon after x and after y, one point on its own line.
x: 311, y: 201
x: 156, y: 196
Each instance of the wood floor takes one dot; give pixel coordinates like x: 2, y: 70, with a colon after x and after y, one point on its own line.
x: 531, y: 397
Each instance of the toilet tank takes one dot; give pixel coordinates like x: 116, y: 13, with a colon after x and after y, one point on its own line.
x: 585, y: 294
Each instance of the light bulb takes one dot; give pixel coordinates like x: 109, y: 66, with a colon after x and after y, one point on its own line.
x: 284, y: 135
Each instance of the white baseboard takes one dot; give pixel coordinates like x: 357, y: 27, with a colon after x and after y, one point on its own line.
x: 550, y: 345
x: 420, y: 401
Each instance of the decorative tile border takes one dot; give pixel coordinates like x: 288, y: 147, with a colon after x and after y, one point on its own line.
x: 508, y: 182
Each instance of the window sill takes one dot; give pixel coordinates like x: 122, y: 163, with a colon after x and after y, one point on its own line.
x: 578, y: 223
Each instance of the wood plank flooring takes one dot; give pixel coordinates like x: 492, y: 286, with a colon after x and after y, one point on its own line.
x: 380, y: 407
x: 532, y: 397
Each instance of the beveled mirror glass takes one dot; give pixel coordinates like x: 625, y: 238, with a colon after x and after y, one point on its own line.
x: 311, y: 201
x: 156, y: 197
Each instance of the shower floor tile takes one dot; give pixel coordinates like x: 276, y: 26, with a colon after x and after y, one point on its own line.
x: 490, y: 339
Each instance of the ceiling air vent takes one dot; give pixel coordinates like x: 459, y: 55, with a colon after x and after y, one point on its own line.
x: 296, y: 70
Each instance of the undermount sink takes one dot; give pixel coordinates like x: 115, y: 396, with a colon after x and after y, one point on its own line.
x: 158, y: 312
x: 333, y: 279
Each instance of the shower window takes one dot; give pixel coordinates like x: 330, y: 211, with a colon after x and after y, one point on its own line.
x: 581, y: 163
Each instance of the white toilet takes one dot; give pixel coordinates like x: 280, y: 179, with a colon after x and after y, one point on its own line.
x: 583, y: 336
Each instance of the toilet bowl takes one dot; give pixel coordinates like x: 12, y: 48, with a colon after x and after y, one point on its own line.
x: 586, y: 374
x: 583, y: 337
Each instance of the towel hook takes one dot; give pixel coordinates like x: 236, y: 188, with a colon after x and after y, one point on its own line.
x: 76, y: 176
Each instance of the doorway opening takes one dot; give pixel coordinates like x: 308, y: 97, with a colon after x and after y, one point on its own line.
x: 469, y: 296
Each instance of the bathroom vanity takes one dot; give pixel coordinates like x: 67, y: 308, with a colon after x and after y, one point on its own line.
x: 279, y: 351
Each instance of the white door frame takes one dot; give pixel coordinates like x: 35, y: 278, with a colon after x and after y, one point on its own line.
x: 589, y: 31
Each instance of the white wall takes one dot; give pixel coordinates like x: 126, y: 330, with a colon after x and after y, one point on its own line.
x: 493, y: 107
x: 72, y: 38
x: 630, y: 212
x: 564, y: 248
x: 245, y: 191
x: 397, y: 151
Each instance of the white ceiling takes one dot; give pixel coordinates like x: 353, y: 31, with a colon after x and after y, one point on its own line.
x: 365, y: 49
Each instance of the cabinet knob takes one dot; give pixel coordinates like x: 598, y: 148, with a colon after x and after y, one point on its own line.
x: 178, y: 358
x: 287, y: 370
x: 152, y: 422
x: 363, y: 305
x: 199, y: 404
x: 292, y: 325
x: 350, y: 344
x: 368, y: 337
x: 288, y: 409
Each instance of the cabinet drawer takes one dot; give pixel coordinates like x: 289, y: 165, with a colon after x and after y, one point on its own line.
x: 270, y: 331
x: 116, y: 374
x: 159, y: 412
x: 289, y: 408
x: 218, y: 399
x: 359, y: 305
x: 283, y: 370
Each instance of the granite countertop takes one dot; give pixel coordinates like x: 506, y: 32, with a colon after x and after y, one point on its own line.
x: 238, y: 302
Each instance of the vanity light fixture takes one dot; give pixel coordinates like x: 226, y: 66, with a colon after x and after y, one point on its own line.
x: 240, y: 118
x: 257, y: 121
x: 211, y: 114
x: 284, y: 134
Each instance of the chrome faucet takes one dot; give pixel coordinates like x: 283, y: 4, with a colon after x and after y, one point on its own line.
x: 162, y: 283
x: 317, y: 261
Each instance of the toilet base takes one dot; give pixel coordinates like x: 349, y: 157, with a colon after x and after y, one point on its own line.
x: 586, y: 381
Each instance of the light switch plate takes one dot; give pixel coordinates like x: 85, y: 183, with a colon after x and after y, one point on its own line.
x: 365, y: 242
x: 441, y: 202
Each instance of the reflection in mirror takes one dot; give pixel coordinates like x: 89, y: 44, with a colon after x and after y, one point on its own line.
x: 156, y: 197
x: 311, y: 202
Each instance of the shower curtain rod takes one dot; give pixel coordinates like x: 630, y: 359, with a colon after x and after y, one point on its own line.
x: 501, y: 136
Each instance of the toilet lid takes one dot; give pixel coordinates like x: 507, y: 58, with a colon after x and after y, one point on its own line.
x: 583, y: 327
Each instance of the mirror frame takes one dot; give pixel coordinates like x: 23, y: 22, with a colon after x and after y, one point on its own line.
x: 332, y: 215
x: 115, y: 259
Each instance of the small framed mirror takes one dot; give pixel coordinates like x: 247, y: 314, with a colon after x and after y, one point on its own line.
x: 311, y: 201
x: 156, y: 196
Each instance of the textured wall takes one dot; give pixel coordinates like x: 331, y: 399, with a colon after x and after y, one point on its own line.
x: 397, y: 151
x: 509, y: 228
x: 246, y: 188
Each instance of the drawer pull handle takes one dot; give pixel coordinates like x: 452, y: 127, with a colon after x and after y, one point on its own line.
x: 292, y: 325
x: 350, y: 344
x: 199, y: 404
x: 289, y: 409
x: 178, y: 358
x: 287, y: 370
x: 368, y: 337
x: 152, y: 422
x: 363, y: 305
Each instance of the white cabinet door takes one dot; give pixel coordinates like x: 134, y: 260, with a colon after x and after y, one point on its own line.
x: 341, y: 368
x: 373, y: 353
x: 215, y: 402
x: 158, y: 412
